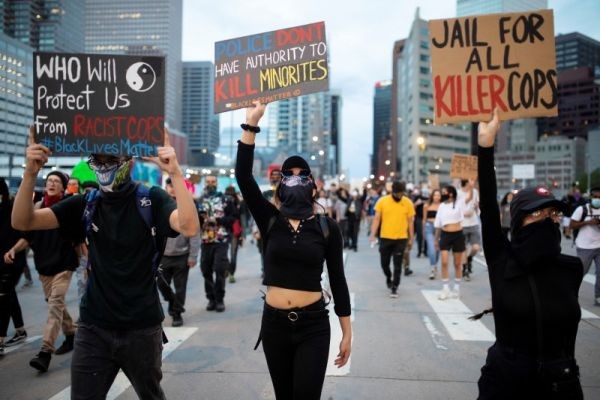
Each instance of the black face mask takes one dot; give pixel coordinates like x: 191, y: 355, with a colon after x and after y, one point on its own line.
x: 445, y: 197
x: 210, y: 189
x: 295, y: 194
x: 536, y: 242
x: 396, y: 197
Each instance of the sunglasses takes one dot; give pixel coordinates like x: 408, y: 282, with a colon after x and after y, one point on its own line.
x: 554, y: 213
x: 287, y: 173
x: 95, y: 163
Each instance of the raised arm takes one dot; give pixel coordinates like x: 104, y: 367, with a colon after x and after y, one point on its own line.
x: 260, y: 208
x: 24, y: 217
x: 494, y: 243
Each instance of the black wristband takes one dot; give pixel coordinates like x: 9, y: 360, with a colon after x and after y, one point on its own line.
x: 250, y: 128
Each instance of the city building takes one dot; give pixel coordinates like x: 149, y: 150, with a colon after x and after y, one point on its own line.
x: 197, y: 114
x: 575, y: 50
x: 45, y: 25
x: 382, y: 108
x: 396, y: 53
x: 16, y: 102
x: 335, y: 146
x: 302, y: 125
x: 474, y: 7
x: 423, y: 147
x: 593, y: 155
x: 150, y: 27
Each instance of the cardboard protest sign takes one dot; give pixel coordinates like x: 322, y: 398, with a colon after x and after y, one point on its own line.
x: 434, y: 181
x: 463, y: 167
x: 93, y: 103
x: 497, y: 60
x: 270, y: 66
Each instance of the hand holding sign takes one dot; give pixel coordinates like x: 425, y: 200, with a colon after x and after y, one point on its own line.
x: 167, y: 159
x: 488, y: 131
x: 36, y: 155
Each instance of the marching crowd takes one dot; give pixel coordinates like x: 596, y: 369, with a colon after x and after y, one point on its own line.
x: 122, y: 241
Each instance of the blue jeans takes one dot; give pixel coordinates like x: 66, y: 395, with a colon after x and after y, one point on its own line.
x: 433, y: 255
x: 587, y: 256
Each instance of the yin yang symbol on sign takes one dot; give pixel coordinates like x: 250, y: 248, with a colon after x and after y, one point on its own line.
x: 140, y: 77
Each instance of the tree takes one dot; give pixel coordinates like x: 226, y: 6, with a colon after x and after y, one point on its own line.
x: 583, y: 183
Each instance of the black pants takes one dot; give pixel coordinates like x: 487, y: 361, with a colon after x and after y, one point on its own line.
x: 353, y: 228
x: 296, y: 352
x: 9, y: 302
x: 510, y: 375
x: 419, y: 238
x: 99, y: 354
x: 343, y: 224
x: 234, y: 247
x: 214, y: 265
x: 392, y: 249
x: 174, y: 268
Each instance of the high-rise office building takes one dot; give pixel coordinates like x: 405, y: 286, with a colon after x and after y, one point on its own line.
x: 423, y: 148
x: 396, y: 54
x: 575, y: 50
x: 302, y: 125
x: 16, y: 100
x: 150, y: 27
x: 335, y: 134
x: 197, y: 117
x: 382, y: 108
x: 45, y: 25
x: 474, y: 7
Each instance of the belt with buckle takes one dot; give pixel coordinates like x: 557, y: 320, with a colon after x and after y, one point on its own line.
x: 297, y: 314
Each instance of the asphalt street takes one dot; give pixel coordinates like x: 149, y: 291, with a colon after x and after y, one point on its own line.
x: 411, y: 347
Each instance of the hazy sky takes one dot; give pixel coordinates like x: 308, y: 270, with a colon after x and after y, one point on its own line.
x: 360, y: 38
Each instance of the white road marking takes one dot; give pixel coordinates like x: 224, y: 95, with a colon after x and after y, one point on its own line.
x: 585, y: 314
x: 589, y: 278
x: 454, y: 316
x: 29, y: 339
x: 436, y: 336
x: 480, y: 260
x: 176, y: 337
x: 334, y: 343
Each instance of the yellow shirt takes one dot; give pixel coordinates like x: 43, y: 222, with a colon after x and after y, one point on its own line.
x: 394, y: 216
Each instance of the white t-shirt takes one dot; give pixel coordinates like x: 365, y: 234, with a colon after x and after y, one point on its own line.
x: 470, y: 207
x: 589, y: 236
x: 448, y: 213
x: 325, y: 204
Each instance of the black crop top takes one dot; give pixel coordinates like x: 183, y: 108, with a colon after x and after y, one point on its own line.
x: 293, y: 259
x: 431, y: 214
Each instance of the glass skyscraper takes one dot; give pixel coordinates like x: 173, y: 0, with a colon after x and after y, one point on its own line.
x: 149, y: 27
x: 474, y: 7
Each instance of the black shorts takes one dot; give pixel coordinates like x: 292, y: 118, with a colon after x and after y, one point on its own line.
x: 454, y: 241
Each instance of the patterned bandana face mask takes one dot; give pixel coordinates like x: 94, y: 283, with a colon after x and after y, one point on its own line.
x: 112, y: 174
x: 295, y: 194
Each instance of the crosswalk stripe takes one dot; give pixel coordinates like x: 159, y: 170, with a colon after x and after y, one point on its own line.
x: 589, y: 278
x: 436, y: 335
x: 334, y: 343
x: 454, y: 314
x: 585, y: 314
x: 176, y: 337
x: 29, y: 339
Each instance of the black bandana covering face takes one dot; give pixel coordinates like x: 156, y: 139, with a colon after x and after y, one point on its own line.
x: 295, y: 194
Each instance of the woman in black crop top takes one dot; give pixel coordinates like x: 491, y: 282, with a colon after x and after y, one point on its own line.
x: 534, y: 292
x: 295, y: 329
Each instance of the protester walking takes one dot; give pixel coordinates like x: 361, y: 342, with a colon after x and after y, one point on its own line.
x: 534, y: 292
x: 55, y: 260
x: 120, y: 313
x: 419, y: 201
x: 430, y: 209
x: 180, y: 255
x: 354, y: 215
x: 217, y: 214
x: 468, y: 198
x: 12, y: 260
x: 585, y: 223
x: 449, y: 237
x: 505, y: 214
x: 235, y: 233
x: 295, y: 329
x: 395, y: 214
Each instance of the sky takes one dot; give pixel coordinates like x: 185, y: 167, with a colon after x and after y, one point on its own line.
x: 360, y: 38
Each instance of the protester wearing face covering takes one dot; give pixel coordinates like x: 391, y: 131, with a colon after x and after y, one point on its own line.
x: 354, y: 213
x: 534, y: 292
x: 120, y: 312
x: 295, y: 329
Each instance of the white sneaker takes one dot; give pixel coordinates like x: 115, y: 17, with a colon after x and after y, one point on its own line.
x: 444, y: 294
x: 433, y: 273
x: 455, y: 294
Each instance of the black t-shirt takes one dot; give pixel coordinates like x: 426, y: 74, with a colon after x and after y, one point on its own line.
x: 121, y: 291
x: 294, y: 260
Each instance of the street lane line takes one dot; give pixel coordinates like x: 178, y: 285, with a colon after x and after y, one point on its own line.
x: 589, y: 278
x: 585, y: 314
x: 336, y: 338
x: 176, y: 337
x: 454, y: 315
x: 30, y: 339
x: 436, y: 336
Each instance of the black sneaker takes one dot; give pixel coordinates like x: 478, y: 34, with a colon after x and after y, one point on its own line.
x: 177, y: 320
x: 41, y: 361
x: 470, y: 264
x: 220, y: 307
x: 466, y: 276
x: 394, y: 293
x: 19, y: 337
x: 67, y: 345
x: 408, y: 272
x: 211, y: 306
x: 388, y: 282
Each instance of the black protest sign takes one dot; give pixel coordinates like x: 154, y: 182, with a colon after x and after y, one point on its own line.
x: 504, y: 61
x: 270, y: 66
x: 95, y: 103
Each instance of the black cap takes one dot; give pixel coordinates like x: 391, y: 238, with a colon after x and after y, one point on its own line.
x: 90, y: 184
x: 398, y: 187
x: 531, y: 199
x: 62, y: 176
x: 295, y: 162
